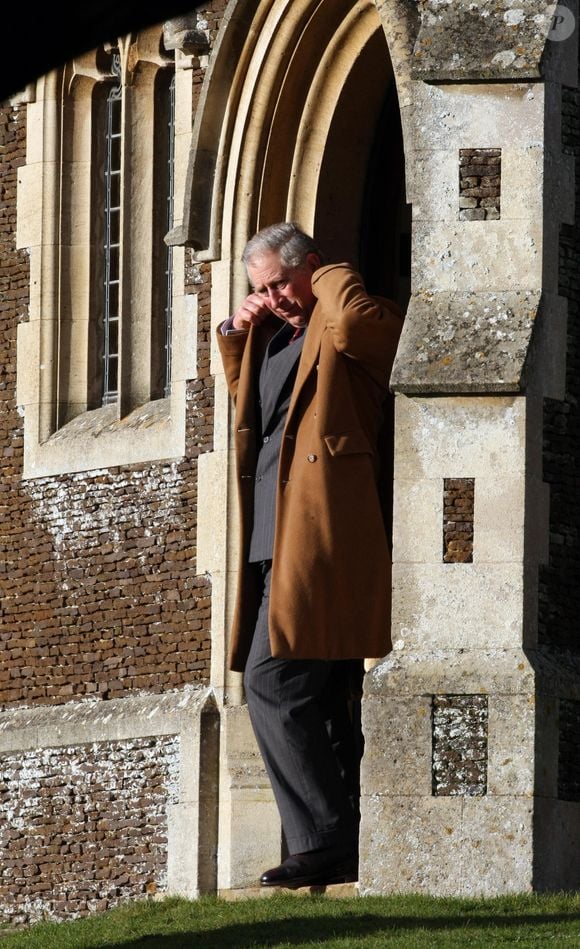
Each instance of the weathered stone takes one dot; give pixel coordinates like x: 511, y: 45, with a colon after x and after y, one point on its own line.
x: 465, y: 342
x: 460, y: 40
x: 478, y: 214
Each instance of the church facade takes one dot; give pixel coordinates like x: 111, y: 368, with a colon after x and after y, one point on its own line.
x: 434, y: 145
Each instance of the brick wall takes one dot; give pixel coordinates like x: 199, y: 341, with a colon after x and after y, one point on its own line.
x: 84, y: 828
x: 458, y: 513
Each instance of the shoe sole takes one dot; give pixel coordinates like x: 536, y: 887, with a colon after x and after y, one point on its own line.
x: 314, y: 880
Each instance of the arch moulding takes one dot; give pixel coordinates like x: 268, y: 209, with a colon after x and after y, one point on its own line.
x: 267, y: 102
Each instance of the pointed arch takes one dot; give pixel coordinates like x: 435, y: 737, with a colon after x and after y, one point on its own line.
x: 267, y: 110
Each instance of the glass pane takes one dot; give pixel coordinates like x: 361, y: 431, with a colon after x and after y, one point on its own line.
x: 113, y: 269
x: 115, y: 146
x: 113, y: 338
x: 114, y: 299
x: 115, y: 190
x: 113, y: 375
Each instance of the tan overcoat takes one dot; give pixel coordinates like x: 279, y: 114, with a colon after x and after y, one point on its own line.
x: 331, y: 575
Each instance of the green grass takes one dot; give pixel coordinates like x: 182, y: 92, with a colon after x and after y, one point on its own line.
x: 304, y: 922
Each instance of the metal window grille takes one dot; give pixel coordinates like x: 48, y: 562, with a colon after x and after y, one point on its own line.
x: 112, y: 244
x: 168, y: 312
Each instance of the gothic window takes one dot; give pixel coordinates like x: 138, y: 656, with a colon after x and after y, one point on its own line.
x: 113, y: 138
x: 101, y: 165
x: 168, y: 186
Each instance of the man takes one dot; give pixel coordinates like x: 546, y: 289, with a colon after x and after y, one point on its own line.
x: 307, y: 358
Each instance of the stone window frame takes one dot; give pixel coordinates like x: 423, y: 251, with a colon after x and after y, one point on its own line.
x: 65, y: 429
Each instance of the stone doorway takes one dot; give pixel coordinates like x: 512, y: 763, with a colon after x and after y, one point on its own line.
x: 310, y: 131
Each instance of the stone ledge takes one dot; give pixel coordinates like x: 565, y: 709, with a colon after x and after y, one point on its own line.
x: 462, y: 41
x: 88, y: 721
x: 465, y: 342
x: 542, y: 670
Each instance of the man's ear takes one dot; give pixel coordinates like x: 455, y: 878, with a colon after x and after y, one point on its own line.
x: 313, y: 261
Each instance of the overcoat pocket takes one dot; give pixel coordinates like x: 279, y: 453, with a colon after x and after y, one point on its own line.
x: 348, y: 443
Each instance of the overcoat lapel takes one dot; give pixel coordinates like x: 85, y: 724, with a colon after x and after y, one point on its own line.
x: 308, y: 361
x: 246, y: 403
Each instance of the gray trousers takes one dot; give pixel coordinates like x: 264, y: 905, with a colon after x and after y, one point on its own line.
x: 308, y: 731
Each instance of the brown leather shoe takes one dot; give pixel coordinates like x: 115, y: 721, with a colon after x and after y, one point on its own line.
x: 314, y: 868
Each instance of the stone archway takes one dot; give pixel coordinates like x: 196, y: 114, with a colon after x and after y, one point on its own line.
x: 294, y: 130
x: 278, y: 88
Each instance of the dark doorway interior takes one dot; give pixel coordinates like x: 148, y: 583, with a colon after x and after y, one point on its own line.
x: 361, y: 211
x: 385, y: 227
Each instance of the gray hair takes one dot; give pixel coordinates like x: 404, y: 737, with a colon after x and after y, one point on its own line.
x: 285, y: 238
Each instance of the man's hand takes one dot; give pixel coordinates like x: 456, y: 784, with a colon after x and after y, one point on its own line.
x: 252, y: 311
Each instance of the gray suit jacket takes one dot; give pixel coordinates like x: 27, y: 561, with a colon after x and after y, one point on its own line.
x: 277, y: 376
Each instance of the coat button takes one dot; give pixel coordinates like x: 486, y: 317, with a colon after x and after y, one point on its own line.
x: 311, y: 457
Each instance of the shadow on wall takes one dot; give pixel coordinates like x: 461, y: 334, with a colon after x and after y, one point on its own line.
x: 58, y: 35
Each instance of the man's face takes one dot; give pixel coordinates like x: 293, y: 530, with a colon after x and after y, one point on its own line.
x: 286, y: 291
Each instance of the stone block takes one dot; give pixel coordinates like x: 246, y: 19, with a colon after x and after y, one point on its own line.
x: 482, y: 115
x: 32, y: 188
x: 250, y: 834
x: 410, y: 844
x: 452, y: 671
x: 432, y: 187
x: 451, y: 605
x: 418, y: 520
x: 37, y: 127
x: 465, y: 342
x: 250, y: 838
x: 223, y: 412
x: 182, y: 850
x: 452, y: 256
x: 499, y: 519
x: 511, y: 743
x: 557, y: 845
x: 472, y: 214
x: 452, y: 846
x: 221, y: 307
x: 397, y: 756
x: 183, y: 360
x: 497, y: 845
x: 462, y: 41
x: 459, y: 437
x: 212, y: 511
x: 28, y: 349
